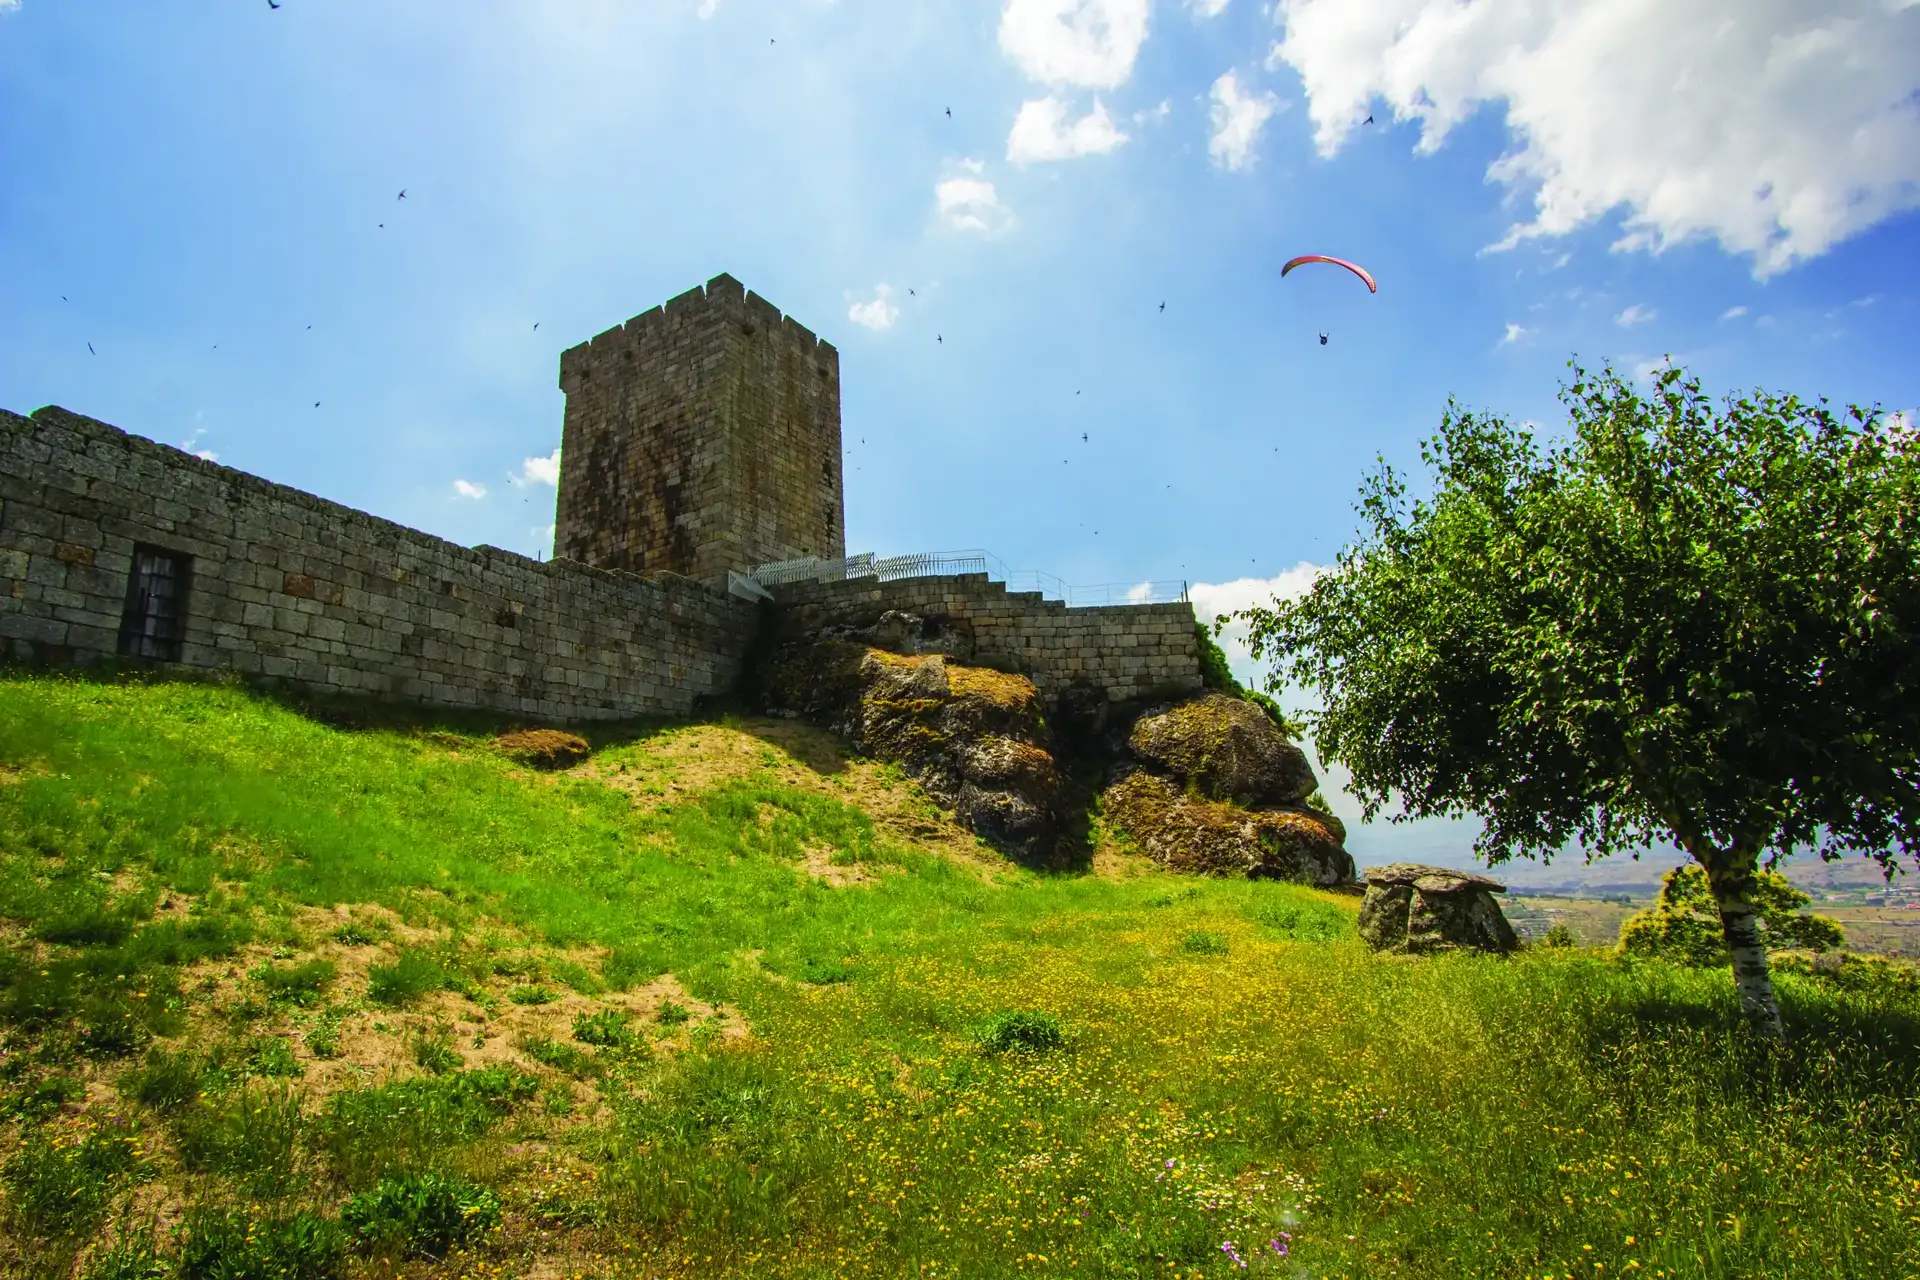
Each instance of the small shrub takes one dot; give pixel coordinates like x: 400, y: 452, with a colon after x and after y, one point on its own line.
x: 1558, y: 938
x: 436, y: 1053
x: 1203, y: 942
x: 57, y: 1187
x: 1020, y: 1030
x: 607, y: 1028
x: 672, y: 1015
x: 232, y: 1244
x: 822, y: 973
x: 423, y: 1214
x: 354, y: 935
x: 134, y: 1256
x: 297, y: 984
x: 532, y: 993
x: 411, y: 976
x: 561, y: 1057
x: 1683, y: 927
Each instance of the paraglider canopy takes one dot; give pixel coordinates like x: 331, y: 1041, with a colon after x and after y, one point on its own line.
x: 1338, y: 262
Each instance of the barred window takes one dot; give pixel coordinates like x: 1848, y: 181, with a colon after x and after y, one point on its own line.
x: 154, y: 622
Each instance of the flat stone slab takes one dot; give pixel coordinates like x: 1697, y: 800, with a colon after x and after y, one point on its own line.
x: 1430, y: 879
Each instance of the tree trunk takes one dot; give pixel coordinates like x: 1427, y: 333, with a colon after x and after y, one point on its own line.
x: 1731, y: 876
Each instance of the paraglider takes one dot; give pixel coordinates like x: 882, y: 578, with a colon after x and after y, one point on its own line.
x: 1338, y: 262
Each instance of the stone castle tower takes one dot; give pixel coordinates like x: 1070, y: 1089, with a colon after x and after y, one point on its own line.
x: 701, y: 436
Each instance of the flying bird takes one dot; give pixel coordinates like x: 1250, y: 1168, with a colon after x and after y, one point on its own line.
x: 938, y: 338
x: 949, y: 113
x: 1163, y: 306
x: 316, y: 404
x: 383, y: 226
x: 909, y: 294
x: 1083, y: 437
x: 536, y: 324
x: 91, y: 351
x: 402, y: 195
x: 272, y: 5
x: 63, y: 297
x: 1323, y: 339
x: 1368, y: 120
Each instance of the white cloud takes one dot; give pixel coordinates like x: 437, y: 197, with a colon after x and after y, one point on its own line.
x: 188, y: 444
x: 468, y: 489
x: 9, y: 6
x: 1777, y: 127
x: 879, y: 312
x: 1514, y: 334
x: 1092, y: 43
x: 1636, y: 314
x: 706, y: 9
x: 1210, y: 599
x: 1209, y: 8
x: 1160, y: 112
x: 1238, y: 118
x: 970, y: 203
x: 1041, y: 132
x: 536, y: 471
x: 1733, y: 313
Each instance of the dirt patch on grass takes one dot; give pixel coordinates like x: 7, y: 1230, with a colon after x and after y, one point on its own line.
x: 544, y: 748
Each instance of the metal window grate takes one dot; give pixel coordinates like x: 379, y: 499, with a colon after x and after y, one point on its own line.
x: 154, y: 622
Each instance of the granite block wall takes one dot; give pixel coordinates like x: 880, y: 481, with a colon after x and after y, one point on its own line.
x: 701, y: 436
x: 284, y: 586
x: 1129, y: 650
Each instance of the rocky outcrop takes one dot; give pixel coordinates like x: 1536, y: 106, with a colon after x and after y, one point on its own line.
x: 1415, y: 910
x: 1189, y: 833
x: 1225, y: 748
x: 974, y: 738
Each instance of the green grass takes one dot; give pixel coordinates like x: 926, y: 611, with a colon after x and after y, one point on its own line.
x: 946, y: 1076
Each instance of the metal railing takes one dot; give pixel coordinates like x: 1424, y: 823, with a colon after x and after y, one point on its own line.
x: 941, y: 564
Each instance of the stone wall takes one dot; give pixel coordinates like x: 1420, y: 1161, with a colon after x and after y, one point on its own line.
x: 288, y: 587
x: 1128, y: 650
x: 701, y: 436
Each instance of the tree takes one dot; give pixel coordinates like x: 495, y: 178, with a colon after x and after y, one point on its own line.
x: 1676, y: 624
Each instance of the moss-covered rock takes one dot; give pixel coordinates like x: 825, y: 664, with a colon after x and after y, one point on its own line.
x: 1225, y: 748
x: 1415, y: 909
x: 973, y: 737
x: 1189, y: 833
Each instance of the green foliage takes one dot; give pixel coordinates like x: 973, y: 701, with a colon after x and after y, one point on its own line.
x: 134, y: 1255
x: 1304, y: 919
x: 1203, y: 942
x: 369, y: 1132
x: 607, y: 1028
x: 1023, y: 1031
x: 168, y: 1080
x: 577, y: 977
x: 234, y: 1244
x: 1558, y: 938
x: 532, y: 993
x: 1683, y: 927
x: 412, y: 975
x: 297, y: 984
x: 41, y: 1100
x: 354, y: 935
x: 1677, y: 624
x: 1216, y: 674
x: 59, y: 1187
x: 427, y: 1215
x: 251, y: 1134
x: 271, y: 1057
x: 323, y: 1037
x: 671, y: 1014
x: 549, y: 1052
x: 435, y: 1053
x: 823, y: 973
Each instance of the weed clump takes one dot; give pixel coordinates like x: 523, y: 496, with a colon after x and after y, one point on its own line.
x: 354, y: 935
x: 57, y: 1187
x: 435, y: 1053
x: 134, y: 1256
x: 1022, y: 1031
x: 296, y: 984
x: 426, y: 1215
x: 406, y: 980
x: 532, y: 993
x: 370, y: 1132
x: 32, y: 1104
x: 561, y: 1057
x: 1203, y: 942
x: 607, y: 1028
x: 233, y: 1244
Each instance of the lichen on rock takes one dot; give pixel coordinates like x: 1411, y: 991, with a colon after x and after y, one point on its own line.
x: 1187, y: 832
x: 1414, y: 909
x: 973, y: 737
x: 1225, y: 748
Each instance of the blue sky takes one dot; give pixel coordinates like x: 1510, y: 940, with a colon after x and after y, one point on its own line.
x: 202, y: 182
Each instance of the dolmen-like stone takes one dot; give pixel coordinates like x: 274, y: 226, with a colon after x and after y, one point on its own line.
x: 1417, y: 910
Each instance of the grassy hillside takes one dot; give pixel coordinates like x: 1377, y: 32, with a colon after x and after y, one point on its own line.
x: 289, y: 997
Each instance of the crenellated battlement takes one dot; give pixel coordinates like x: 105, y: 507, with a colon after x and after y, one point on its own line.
x: 701, y: 436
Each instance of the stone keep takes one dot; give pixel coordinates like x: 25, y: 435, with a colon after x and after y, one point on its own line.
x: 701, y: 436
